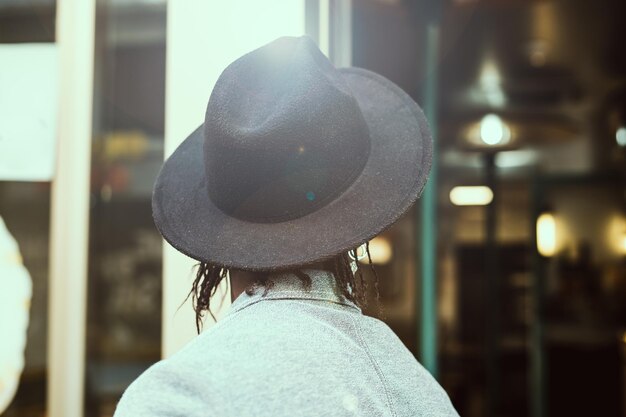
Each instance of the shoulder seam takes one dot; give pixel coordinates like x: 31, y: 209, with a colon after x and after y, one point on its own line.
x: 379, y: 372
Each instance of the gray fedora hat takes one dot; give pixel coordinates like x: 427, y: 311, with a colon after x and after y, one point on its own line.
x: 296, y: 161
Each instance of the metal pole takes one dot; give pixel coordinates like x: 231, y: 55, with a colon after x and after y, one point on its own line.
x: 537, y: 386
x: 69, y: 222
x: 428, y: 328
x: 492, y: 309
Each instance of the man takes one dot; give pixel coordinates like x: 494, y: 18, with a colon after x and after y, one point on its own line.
x: 297, y: 165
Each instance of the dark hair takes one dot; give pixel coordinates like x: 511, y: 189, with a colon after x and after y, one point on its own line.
x: 353, y: 286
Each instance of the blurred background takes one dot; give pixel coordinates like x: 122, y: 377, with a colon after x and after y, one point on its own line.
x: 508, y: 278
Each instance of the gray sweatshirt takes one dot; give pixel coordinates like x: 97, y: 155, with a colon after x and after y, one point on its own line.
x: 289, y: 352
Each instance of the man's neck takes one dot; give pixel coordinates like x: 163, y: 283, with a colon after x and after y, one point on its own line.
x: 240, y: 281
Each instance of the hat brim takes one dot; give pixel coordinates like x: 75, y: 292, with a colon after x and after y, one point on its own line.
x: 392, y: 179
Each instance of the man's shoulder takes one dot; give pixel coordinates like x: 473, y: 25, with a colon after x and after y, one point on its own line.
x: 170, y: 388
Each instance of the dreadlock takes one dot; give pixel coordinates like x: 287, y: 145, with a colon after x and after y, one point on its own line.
x: 352, y: 285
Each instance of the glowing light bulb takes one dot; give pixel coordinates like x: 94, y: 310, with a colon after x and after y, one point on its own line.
x: 546, y: 235
x: 493, y: 131
x: 471, y: 195
x: 620, y: 136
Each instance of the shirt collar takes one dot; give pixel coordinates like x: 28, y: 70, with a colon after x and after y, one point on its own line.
x: 287, y: 286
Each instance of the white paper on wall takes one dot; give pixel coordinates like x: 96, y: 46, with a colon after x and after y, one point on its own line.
x: 28, y: 111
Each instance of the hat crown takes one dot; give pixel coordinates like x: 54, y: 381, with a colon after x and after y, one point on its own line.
x: 284, y: 135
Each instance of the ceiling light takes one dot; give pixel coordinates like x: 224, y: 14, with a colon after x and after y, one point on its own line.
x: 490, y: 76
x: 546, y: 234
x: 493, y: 131
x: 490, y: 84
x: 516, y: 159
x: 620, y: 136
x: 471, y: 195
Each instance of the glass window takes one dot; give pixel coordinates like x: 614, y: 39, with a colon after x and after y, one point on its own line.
x: 124, y: 295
